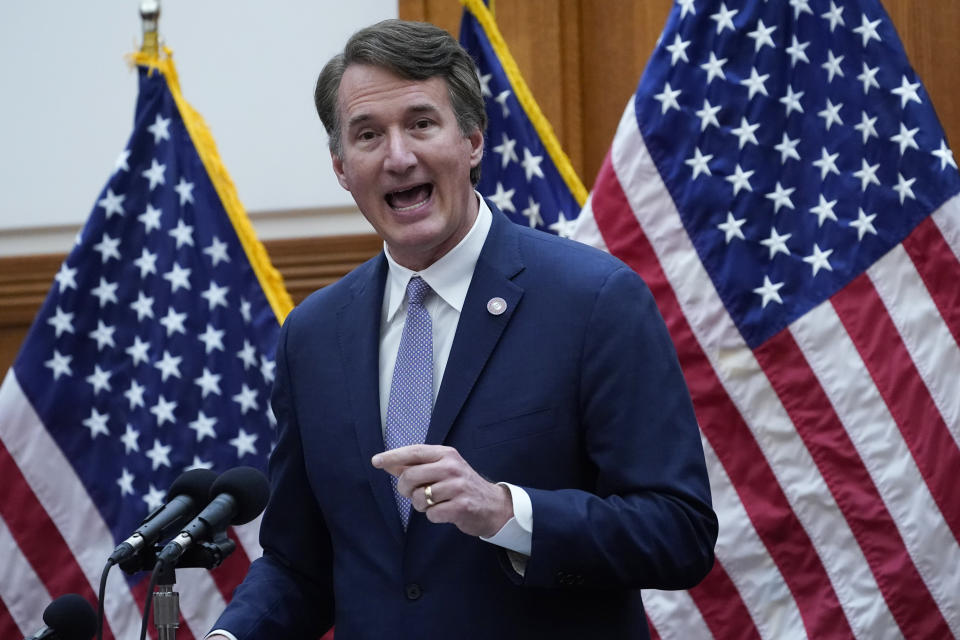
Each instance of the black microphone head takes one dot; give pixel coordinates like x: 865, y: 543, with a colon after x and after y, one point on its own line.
x: 195, y: 483
x: 248, y: 486
x: 71, y: 617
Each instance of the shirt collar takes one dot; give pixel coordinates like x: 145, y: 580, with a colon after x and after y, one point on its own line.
x: 450, y: 276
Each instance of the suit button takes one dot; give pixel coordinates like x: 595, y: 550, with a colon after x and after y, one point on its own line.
x: 413, y: 591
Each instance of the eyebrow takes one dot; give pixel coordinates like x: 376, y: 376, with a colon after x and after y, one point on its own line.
x: 416, y: 109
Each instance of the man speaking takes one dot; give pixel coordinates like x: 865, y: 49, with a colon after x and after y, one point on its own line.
x: 484, y: 430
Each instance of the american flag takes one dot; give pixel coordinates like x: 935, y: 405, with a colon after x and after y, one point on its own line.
x: 152, y: 354
x: 524, y: 170
x: 781, y: 182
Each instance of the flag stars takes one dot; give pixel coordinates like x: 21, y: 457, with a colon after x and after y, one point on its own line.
x: 138, y: 351
x: 208, y: 382
x: 185, y: 190
x: 507, y: 151
x: 827, y: 163
x: 755, y: 83
x: 153, y: 498
x: 787, y: 149
x: 203, y: 426
x: 668, y: 98
x: 112, y: 203
x: 781, y: 197
x: 503, y: 198
x: 867, y: 126
x: 244, y: 443
x: 59, y: 364
x: 904, y: 188
x: 103, y: 334
x: 248, y: 355
x: 731, y: 228
x: 824, y: 210
x: 159, y: 455
x: 105, y: 292
x: 532, y: 213
x: 800, y: 6
x: 761, y: 36
x: 155, y: 174
x: 792, y: 101
x: 501, y: 99
x: 182, y: 233
x: 869, y: 78
x: 745, y: 132
x: 819, y: 259
x: 563, y: 227
x: 905, y: 138
x: 831, y: 114
x: 150, y: 218
x: 245, y: 307
x: 868, y: 29
x: 199, y: 464
x: 143, y: 306
x: 61, y: 321
x: 686, y: 6
x: 125, y: 482
x: 134, y: 395
x: 160, y: 129
x: 96, y: 423
x: 834, y: 16
x: 66, y: 277
x: 864, y: 224
x: 267, y: 369
x: 867, y: 174
x: 99, y: 380
x: 769, y: 292
x: 484, y: 79
x: 678, y: 50
x: 247, y: 399
x: 168, y: 365
x: 708, y: 115
x: 907, y: 92
x: 724, y: 18
x: 776, y: 243
x: 714, y: 68
x: 130, y: 439
x: 832, y: 66
x: 796, y: 51
x: 217, y: 251
x: 121, y: 163
x: 178, y: 277
x: 211, y: 338
x: 163, y: 410
x: 531, y: 164
x: 945, y: 155
x: 740, y: 180
x: 215, y: 295
x: 698, y: 163
x: 173, y: 322
x: 147, y: 262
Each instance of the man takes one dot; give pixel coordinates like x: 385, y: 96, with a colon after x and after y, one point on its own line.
x: 542, y: 460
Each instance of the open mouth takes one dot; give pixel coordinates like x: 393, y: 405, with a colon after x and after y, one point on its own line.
x: 409, y: 199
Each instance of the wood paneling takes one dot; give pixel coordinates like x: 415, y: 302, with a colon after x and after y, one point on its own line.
x: 584, y: 68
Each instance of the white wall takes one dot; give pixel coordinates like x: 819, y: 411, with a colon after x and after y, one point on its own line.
x: 247, y: 66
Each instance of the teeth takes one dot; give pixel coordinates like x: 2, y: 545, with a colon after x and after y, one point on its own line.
x: 412, y: 206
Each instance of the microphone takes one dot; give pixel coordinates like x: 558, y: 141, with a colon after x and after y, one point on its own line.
x: 69, y: 617
x: 241, y: 494
x: 186, y: 494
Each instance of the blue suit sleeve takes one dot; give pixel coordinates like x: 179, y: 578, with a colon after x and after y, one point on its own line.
x: 648, y: 522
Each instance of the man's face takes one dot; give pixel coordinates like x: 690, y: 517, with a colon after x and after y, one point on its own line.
x: 406, y: 163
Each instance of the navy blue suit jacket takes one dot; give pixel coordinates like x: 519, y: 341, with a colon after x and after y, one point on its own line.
x: 573, y: 393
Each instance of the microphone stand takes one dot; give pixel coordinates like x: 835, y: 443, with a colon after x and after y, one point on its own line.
x: 166, y: 604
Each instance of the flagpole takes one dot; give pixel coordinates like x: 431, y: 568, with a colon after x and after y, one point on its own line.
x: 150, y: 17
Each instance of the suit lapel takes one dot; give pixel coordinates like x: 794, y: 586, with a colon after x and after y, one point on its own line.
x: 359, y: 352
x: 479, y: 329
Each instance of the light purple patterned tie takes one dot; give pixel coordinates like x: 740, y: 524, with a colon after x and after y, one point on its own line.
x: 411, y: 392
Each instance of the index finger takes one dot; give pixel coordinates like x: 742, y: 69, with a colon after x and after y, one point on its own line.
x: 395, y: 461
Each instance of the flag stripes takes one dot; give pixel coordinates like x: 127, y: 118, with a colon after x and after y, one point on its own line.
x: 828, y: 459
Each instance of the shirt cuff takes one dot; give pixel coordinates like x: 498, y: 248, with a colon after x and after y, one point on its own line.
x: 517, y: 533
x: 221, y: 632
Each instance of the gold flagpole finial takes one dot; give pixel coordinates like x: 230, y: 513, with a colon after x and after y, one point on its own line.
x: 150, y: 16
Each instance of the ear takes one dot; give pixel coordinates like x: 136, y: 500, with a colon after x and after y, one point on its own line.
x: 476, y: 147
x: 338, y: 169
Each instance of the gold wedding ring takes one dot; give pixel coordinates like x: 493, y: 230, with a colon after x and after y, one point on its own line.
x: 428, y: 492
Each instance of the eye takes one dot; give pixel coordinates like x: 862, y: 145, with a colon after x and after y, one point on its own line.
x: 366, y: 135
x: 423, y: 123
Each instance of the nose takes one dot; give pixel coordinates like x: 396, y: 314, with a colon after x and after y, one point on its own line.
x: 400, y: 157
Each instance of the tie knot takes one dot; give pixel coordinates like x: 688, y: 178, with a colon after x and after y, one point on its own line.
x: 417, y: 290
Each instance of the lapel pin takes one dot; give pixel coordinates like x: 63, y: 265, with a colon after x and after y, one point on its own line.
x: 496, y: 306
